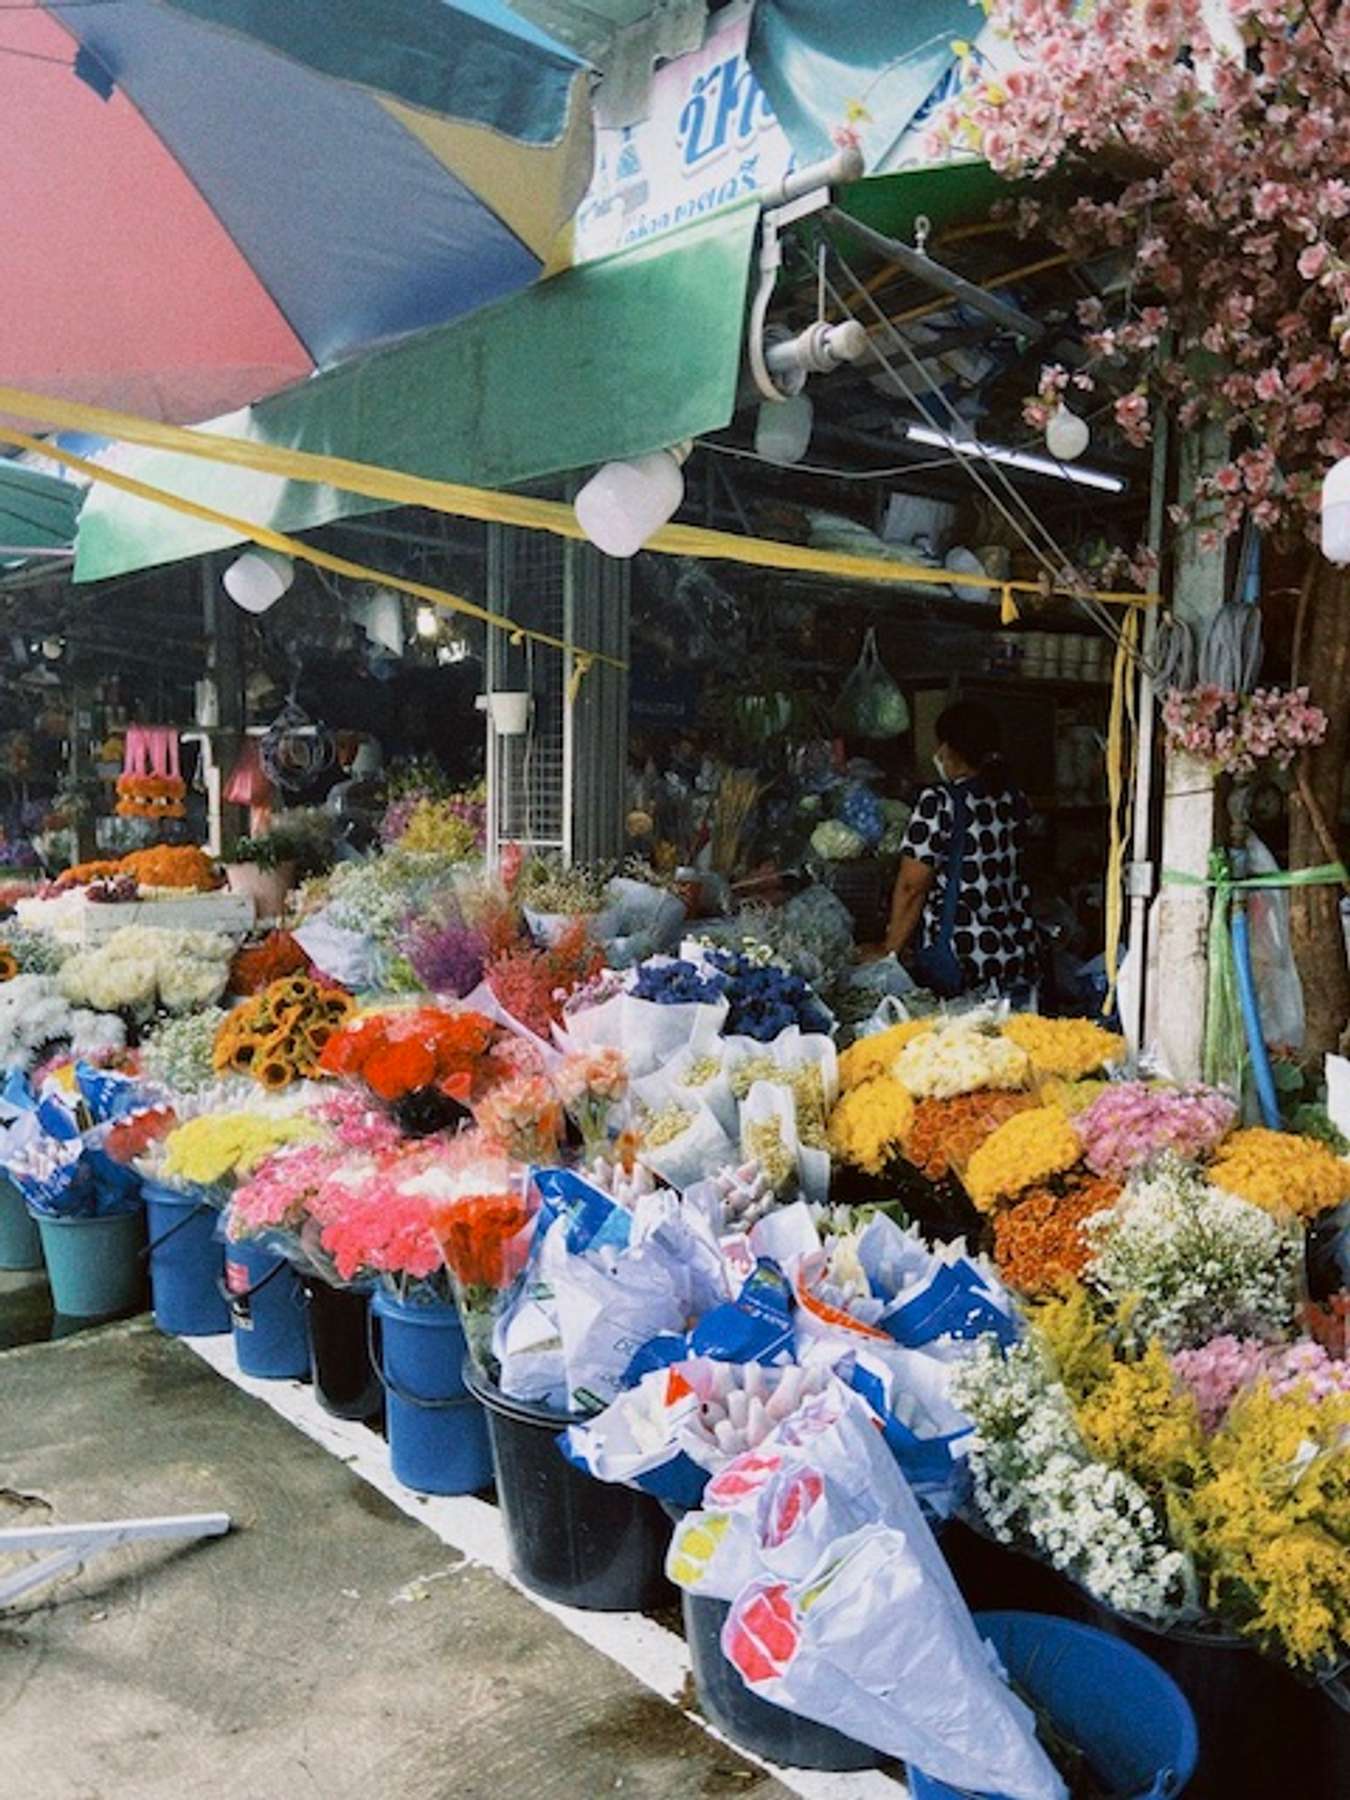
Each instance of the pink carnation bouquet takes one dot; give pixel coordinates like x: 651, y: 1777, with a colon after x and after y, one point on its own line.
x: 1132, y: 1121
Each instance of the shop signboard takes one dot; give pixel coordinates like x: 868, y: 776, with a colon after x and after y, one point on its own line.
x: 711, y: 139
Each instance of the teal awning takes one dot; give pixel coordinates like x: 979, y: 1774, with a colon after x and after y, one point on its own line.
x: 37, y: 512
x: 614, y: 359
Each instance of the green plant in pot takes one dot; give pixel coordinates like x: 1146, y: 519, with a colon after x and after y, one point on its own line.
x: 267, y: 865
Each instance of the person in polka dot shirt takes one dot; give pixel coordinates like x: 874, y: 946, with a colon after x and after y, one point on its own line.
x: 993, y: 939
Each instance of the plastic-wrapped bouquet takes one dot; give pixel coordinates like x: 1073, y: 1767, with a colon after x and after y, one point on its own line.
x: 766, y: 999
x: 591, y: 1085
x: 1191, y: 1261
x: 484, y: 1232
x: 1131, y: 1121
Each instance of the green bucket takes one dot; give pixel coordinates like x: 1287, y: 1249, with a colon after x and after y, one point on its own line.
x: 20, y: 1244
x: 94, y: 1265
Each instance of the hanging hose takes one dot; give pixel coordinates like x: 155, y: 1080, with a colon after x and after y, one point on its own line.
x: 1251, y: 1016
x: 1174, y: 654
x: 1230, y: 656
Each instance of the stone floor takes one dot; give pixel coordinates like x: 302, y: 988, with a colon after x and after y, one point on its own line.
x: 330, y: 1645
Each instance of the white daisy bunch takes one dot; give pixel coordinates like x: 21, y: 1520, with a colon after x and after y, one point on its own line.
x: 958, y: 1057
x: 141, y: 967
x: 1036, y: 1484
x: 1189, y: 1262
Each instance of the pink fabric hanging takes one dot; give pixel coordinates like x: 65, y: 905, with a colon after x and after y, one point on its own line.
x: 152, y: 750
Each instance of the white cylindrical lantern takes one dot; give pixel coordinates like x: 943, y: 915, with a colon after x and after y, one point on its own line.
x: 1066, y: 435
x: 625, y: 503
x: 783, y: 429
x: 1336, y: 513
x: 258, y: 579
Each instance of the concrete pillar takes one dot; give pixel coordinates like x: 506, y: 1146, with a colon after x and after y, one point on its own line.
x: 1178, y: 965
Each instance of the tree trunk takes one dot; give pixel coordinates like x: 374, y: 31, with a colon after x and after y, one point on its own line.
x: 1314, y: 914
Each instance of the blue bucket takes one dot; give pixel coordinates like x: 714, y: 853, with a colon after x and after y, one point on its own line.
x: 267, y: 1311
x: 187, y: 1263
x: 438, y: 1441
x: 1131, y: 1721
x: 94, y: 1263
x: 20, y: 1240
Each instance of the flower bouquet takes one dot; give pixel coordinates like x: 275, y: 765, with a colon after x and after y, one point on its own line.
x: 591, y: 1086
x: 1130, y: 1122
x: 485, y: 1238
x: 279, y: 1036
x: 141, y: 968
x: 423, y: 1060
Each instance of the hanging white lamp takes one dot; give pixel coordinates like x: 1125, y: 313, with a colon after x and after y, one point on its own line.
x: 625, y: 503
x: 783, y: 429
x: 257, y: 579
x: 1336, y: 513
x: 1066, y: 435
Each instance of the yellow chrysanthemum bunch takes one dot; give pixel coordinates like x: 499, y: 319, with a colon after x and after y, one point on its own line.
x: 873, y: 1056
x: 1070, y: 1048
x: 1026, y: 1149
x: 1281, y: 1172
x: 868, y: 1126
x: 208, y: 1149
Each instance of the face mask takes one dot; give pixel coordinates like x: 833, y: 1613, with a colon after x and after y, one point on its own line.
x: 940, y: 766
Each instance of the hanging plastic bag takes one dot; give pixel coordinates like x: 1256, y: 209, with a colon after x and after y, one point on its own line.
x: 870, y: 705
x: 1279, y: 991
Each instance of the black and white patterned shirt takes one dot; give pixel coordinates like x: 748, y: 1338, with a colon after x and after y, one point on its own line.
x: 993, y: 937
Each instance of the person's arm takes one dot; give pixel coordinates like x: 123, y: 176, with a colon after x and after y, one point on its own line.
x: 911, y: 891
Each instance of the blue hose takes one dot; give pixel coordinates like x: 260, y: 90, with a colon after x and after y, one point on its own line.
x: 1251, y: 1020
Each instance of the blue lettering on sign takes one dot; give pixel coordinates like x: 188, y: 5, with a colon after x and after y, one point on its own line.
x: 726, y: 105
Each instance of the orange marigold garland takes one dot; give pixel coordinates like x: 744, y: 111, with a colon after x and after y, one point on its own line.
x: 172, y: 866
x: 151, y: 797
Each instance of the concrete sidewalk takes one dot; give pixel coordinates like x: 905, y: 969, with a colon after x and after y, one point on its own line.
x: 330, y: 1646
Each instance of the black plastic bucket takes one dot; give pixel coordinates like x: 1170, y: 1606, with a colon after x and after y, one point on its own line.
x: 993, y: 1578
x: 345, y: 1382
x: 1261, y: 1731
x: 582, y: 1542
x: 751, y: 1723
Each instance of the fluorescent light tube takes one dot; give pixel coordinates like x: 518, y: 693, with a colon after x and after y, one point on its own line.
x: 1016, y: 459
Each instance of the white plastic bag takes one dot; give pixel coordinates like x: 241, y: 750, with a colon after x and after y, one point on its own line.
x: 1279, y: 991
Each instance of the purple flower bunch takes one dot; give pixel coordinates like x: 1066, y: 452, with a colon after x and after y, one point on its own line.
x: 1218, y: 1372
x: 1234, y: 732
x: 1131, y: 1121
x: 446, y: 955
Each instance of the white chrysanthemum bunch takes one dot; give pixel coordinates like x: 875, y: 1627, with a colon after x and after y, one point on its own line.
x: 35, y: 1014
x: 142, y: 967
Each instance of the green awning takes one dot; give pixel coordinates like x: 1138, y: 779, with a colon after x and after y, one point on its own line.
x: 613, y: 359
x: 37, y: 512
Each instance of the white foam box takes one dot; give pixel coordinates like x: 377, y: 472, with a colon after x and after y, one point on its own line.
x: 74, y: 919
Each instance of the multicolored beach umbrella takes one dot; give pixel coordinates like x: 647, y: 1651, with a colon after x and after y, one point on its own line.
x: 203, y: 201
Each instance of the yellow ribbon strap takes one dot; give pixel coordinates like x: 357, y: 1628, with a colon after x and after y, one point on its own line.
x: 295, y: 547
x: 1122, y: 703
x: 459, y: 501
